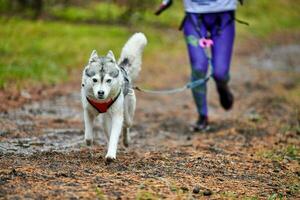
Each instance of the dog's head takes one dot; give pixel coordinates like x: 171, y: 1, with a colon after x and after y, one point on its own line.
x: 101, y: 76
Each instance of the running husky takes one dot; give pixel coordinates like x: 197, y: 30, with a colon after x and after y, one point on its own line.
x: 106, y: 90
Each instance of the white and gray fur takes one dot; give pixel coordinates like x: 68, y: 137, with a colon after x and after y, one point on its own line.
x: 102, y: 79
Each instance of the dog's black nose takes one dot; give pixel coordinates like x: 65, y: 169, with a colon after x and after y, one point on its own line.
x: 100, y: 93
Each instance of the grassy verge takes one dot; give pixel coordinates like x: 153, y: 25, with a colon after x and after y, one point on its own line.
x: 46, y: 51
x: 267, y: 17
x: 264, y: 17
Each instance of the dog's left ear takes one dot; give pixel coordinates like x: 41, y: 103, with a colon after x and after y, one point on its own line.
x: 111, y: 55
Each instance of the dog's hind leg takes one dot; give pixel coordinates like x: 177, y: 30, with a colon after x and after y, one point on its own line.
x: 126, y: 136
x: 88, y: 125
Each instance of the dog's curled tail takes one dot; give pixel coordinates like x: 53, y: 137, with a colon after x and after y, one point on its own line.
x: 131, y: 55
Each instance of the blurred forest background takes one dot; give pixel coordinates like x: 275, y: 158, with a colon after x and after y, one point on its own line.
x: 41, y: 40
x: 88, y: 11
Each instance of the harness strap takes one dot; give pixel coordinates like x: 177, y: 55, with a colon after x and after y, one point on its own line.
x: 103, y: 106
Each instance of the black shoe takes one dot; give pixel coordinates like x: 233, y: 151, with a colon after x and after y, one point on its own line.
x: 201, y: 124
x: 225, y: 95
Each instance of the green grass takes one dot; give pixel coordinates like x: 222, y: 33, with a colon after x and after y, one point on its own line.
x: 266, y: 17
x: 276, y: 196
x: 44, y: 52
x: 99, y: 12
x: 99, y: 193
x: 112, y: 13
x: 291, y: 152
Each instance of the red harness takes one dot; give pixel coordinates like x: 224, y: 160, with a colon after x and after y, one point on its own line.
x: 103, y: 106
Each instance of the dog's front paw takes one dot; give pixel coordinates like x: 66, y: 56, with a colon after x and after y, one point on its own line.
x: 88, y: 142
x: 109, y: 159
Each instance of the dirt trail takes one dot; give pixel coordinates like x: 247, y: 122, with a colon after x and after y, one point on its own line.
x: 250, y: 152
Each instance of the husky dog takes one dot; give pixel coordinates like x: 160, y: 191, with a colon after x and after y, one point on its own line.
x: 106, y: 90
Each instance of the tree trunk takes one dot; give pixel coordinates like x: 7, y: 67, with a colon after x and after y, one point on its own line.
x: 37, y: 6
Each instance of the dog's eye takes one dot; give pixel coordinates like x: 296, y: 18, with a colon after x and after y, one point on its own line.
x: 108, y: 81
x: 95, y: 80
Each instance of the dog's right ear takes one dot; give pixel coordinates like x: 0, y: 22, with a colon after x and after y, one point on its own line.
x: 93, y: 56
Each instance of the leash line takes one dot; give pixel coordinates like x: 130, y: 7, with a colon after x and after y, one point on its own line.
x: 169, y: 91
x: 189, y: 85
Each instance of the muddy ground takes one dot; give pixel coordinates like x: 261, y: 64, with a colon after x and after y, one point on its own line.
x: 251, y: 152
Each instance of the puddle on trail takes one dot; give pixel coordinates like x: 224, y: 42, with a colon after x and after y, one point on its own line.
x: 54, y: 140
x: 63, y: 137
x: 283, y: 58
x: 61, y: 108
x: 50, y: 125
